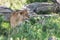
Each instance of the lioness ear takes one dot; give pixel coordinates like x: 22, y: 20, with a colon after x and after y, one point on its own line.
x: 21, y: 12
x: 14, y: 14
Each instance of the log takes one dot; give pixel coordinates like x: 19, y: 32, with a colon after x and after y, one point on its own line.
x: 5, y: 11
x: 33, y: 8
x: 43, y: 6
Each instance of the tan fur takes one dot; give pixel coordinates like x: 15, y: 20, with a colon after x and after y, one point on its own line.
x: 18, y: 17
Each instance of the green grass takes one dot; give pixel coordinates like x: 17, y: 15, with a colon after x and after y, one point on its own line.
x: 32, y: 30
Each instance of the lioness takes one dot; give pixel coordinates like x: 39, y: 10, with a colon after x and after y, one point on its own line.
x: 18, y: 16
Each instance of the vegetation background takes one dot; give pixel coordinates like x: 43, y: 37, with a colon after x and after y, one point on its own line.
x: 31, y: 30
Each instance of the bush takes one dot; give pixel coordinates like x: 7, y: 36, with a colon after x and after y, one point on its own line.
x: 4, y: 27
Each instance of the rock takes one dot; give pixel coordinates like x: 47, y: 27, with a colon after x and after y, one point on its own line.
x: 56, y: 1
x: 52, y: 38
